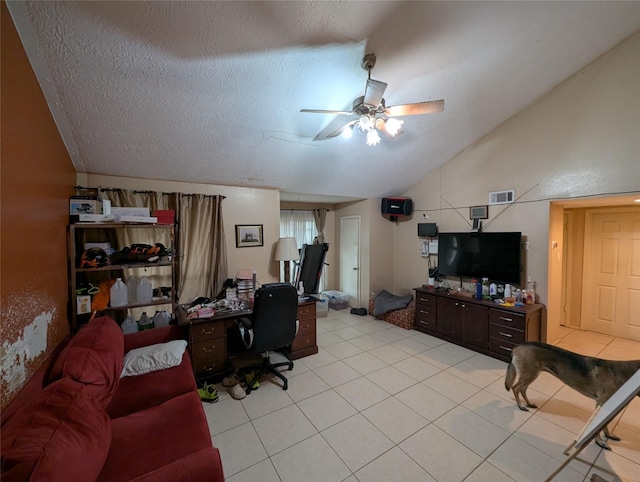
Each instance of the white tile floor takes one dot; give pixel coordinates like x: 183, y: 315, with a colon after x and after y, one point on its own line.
x: 380, y: 403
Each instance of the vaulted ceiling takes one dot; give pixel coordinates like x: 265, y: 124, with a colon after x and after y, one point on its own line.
x: 211, y: 92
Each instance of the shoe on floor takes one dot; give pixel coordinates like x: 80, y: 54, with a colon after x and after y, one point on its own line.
x: 208, y: 393
x: 249, y: 376
x: 237, y: 392
x: 231, y: 381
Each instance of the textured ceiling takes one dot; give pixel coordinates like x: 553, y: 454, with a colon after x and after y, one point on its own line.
x: 211, y: 92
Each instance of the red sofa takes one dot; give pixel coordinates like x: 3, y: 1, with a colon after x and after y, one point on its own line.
x: 77, y: 420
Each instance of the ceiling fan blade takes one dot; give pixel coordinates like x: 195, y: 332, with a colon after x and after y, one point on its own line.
x: 319, y: 111
x: 374, y: 92
x: 338, y: 132
x: 430, y: 107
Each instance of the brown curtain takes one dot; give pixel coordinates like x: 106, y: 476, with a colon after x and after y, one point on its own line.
x: 320, y: 217
x: 199, y: 239
x: 203, y: 269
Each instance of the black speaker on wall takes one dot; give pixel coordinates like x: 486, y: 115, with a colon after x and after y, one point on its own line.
x: 397, y: 206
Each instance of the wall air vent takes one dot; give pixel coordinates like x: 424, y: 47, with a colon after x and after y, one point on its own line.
x: 502, y: 197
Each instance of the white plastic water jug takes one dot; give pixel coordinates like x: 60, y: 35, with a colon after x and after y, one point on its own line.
x: 129, y: 325
x: 161, y: 318
x: 119, y: 293
x: 144, y: 293
x: 132, y: 284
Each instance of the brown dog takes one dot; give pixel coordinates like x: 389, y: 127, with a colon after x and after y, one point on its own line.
x: 593, y: 377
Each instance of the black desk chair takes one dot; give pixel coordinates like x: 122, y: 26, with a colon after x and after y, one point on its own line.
x: 273, y: 325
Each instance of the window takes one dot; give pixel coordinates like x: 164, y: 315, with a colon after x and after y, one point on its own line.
x: 301, y: 225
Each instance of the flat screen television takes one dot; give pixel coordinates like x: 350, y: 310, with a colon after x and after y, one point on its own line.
x: 476, y: 255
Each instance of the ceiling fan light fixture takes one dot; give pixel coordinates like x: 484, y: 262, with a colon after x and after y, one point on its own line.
x: 347, y: 132
x: 373, y: 138
x: 393, y: 126
x: 366, y: 123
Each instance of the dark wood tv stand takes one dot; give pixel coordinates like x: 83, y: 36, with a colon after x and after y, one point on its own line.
x: 480, y: 325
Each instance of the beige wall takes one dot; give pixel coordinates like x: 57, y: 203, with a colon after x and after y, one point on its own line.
x: 581, y: 139
x: 241, y: 206
x: 376, y: 247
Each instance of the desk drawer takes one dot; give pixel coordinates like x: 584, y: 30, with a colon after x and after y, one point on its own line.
x: 307, y: 311
x: 208, y: 357
x: 507, y: 318
x: 208, y: 330
x: 306, y: 336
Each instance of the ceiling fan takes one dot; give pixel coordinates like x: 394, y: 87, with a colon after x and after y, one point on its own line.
x: 372, y: 113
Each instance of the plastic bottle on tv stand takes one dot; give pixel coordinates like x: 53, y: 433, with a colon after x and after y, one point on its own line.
x: 119, y: 293
x: 478, y: 289
x: 485, y: 288
x: 493, y: 290
x: 531, y: 292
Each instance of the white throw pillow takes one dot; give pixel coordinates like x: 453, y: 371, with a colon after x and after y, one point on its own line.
x: 153, y: 357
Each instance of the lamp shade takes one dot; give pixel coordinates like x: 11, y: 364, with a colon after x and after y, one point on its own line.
x: 287, y: 250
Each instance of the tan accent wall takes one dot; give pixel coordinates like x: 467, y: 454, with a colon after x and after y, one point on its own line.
x: 37, y: 180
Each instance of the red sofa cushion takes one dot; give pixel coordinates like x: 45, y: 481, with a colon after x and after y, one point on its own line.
x: 153, y: 440
x: 62, y: 435
x: 94, y: 356
x: 143, y: 391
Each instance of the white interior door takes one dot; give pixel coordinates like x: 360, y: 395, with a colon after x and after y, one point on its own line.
x: 350, y: 258
x: 612, y: 272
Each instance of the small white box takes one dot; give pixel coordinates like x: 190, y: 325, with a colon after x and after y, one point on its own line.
x: 129, y: 211
x: 83, y: 304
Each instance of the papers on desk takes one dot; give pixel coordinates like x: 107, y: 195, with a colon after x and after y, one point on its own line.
x: 209, y: 310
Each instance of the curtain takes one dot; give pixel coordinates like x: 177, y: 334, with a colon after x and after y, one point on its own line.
x: 199, y: 239
x: 319, y: 216
x: 203, y: 269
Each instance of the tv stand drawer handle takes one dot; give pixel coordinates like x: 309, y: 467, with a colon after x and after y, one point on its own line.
x: 208, y: 332
x: 505, y: 348
x: 506, y: 334
x: 425, y: 312
x: 506, y: 319
x: 424, y: 299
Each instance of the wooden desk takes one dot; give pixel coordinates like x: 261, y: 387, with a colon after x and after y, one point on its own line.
x: 208, y: 339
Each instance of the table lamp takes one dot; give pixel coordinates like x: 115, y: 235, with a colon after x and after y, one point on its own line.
x: 287, y: 251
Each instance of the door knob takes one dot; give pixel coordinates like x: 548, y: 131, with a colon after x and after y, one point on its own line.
x: 355, y: 269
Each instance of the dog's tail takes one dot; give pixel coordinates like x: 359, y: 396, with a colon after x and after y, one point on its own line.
x: 510, y: 377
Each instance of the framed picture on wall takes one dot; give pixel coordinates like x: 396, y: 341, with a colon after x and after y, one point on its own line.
x: 248, y: 235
